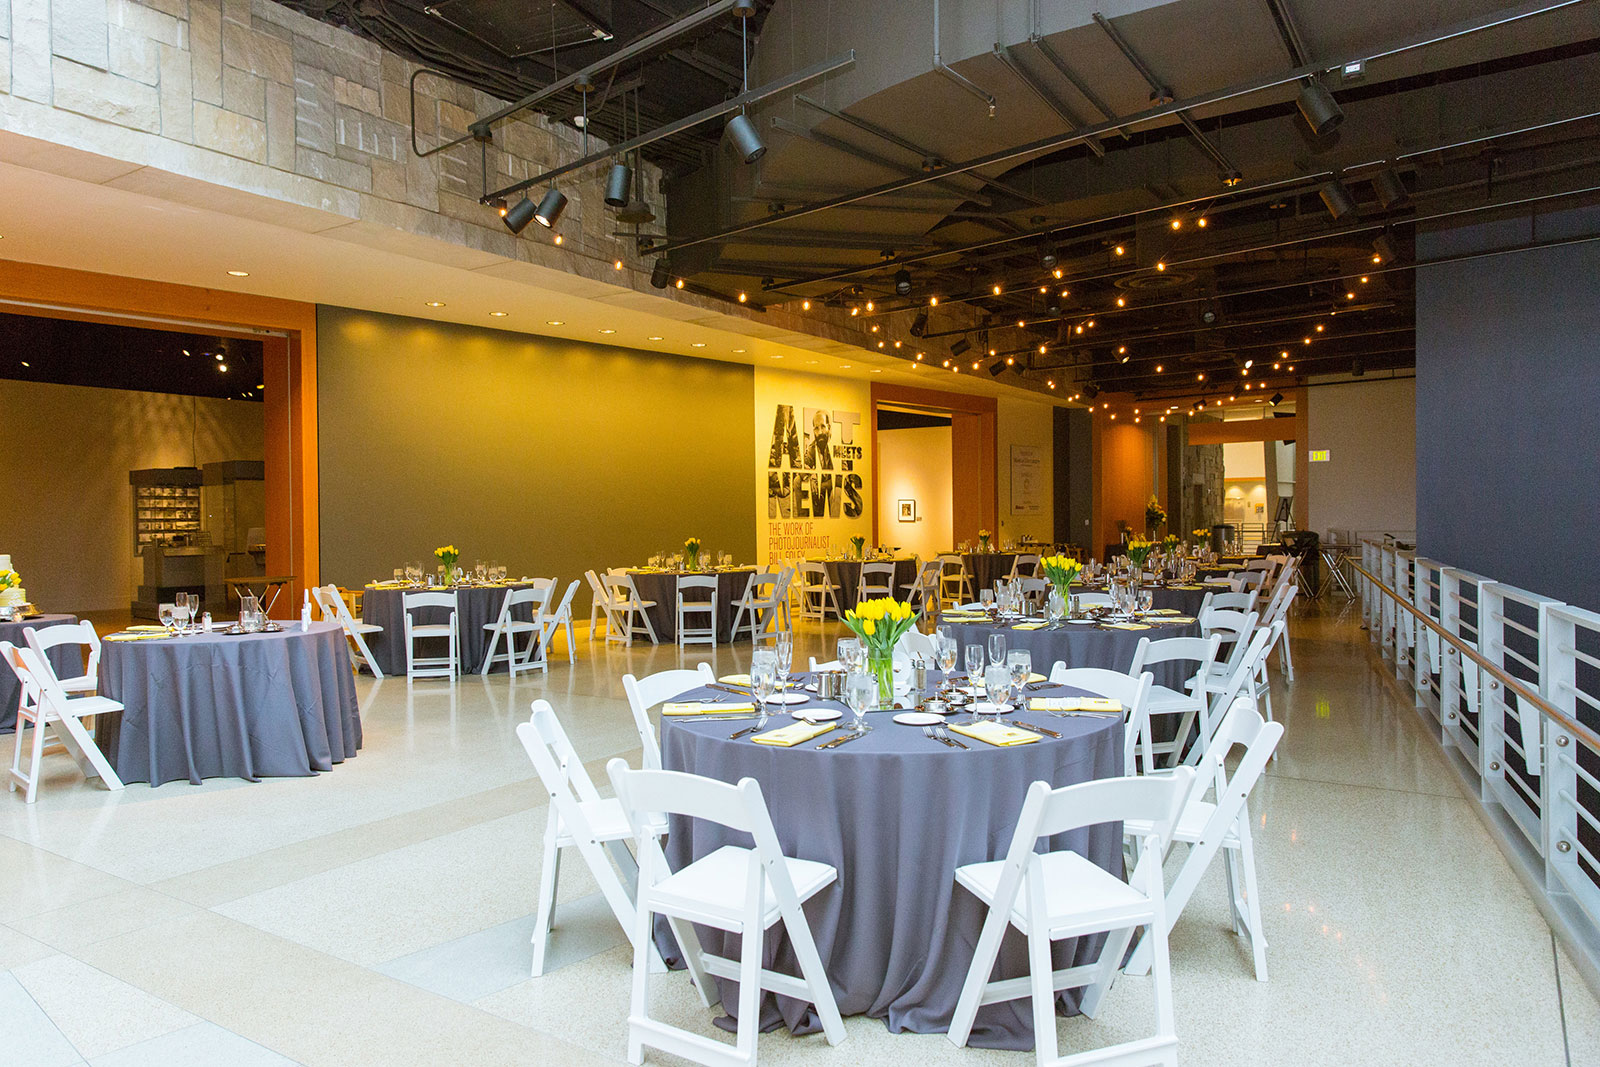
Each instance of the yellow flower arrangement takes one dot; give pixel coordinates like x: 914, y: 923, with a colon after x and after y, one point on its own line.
x: 983, y: 540
x: 10, y: 579
x: 879, y: 623
x: 1139, y: 550
x: 1062, y: 572
x: 691, y: 553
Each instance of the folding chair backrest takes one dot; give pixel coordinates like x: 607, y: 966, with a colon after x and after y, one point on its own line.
x: 45, y: 687
x: 1198, y: 650
x: 427, y: 600
x: 1242, y: 667
x: 648, y: 794
x: 565, y: 607
x: 76, y: 633
x: 1025, y: 564
x: 601, y: 594
x: 697, y: 581
x: 1034, y: 586
x: 1249, y: 580
x: 1134, y: 694
x: 534, y: 595
x: 13, y: 661
x: 1243, y: 727
x: 1245, y: 602
x: 554, y: 759
x: 877, y: 570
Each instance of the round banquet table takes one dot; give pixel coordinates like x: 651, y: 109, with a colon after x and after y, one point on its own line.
x: 66, y: 659
x: 271, y: 705
x: 986, y: 568
x: 475, y: 606
x: 662, y: 587
x: 1184, y: 599
x: 1081, y: 645
x: 845, y: 574
x: 896, y: 813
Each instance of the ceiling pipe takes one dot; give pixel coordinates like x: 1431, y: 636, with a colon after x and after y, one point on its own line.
x: 938, y: 65
x: 1046, y: 97
x: 1204, y: 100
x: 1078, y: 83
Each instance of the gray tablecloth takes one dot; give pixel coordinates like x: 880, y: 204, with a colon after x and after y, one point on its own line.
x: 1081, y: 646
x: 896, y: 813
x: 476, y: 605
x: 1182, y: 598
x: 67, y: 661
x: 662, y: 587
x: 986, y: 568
x: 277, y: 705
x: 845, y: 574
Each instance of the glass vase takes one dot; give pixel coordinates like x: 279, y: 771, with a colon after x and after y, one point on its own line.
x: 1056, y: 606
x: 881, y: 665
x: 691, y: 561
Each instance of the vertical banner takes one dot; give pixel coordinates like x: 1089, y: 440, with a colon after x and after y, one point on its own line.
x: 815, y: 478
x: 1027, y: 480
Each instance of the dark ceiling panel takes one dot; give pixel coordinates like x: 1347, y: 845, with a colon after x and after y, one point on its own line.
x: 70, y: 352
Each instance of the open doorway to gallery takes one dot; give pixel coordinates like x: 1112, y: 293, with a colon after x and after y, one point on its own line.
x: 968, y: 424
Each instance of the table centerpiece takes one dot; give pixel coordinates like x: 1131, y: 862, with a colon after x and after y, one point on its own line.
x: 691, y: 554
x: 1061, y: 572
x: 879, y: 624
x: 449, y: 556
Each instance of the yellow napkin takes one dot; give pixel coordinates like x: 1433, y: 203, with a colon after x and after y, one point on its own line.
x: 1191, y: 588
x: 1030, y: 626
x: 992, y: 733
x: 696, y: 707
x: 133, y: 637
x: 1127, y: 626
x: 391, y: 585
x: 1163, y: 611
x: 1074, y: 704
x: 1036, y: 677
x: 735, y: 679
x: 793, y: 734
x: 146, y: 630
x: 1179, y: 618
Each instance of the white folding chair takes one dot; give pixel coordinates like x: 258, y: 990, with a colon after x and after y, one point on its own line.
x: 1057, y: 895
x: 877, y: 580
x: 1034, y: 590
x: 766, y: 594
x: 1223, y: 823
x: 578, y: 819
x: 42, y: 640
x: 818, y: 594
x: 954, y: 585
x: 1094, y: 600
x: 694, y: 606
x: 1026, y: 565
x: 741, y: 890
x: 561, y: 617
x: 1235, y: 628
x: 601, y: 602
x: 1244, y: 680
x: 923, y: 590
x: 431, y: 666
x: 1245, y: 580
x: 645, y: 693
x: 1134, y: 694
x: 829, y: 665
x: 1191, y: 705
x: 1277, y: 615
x: 628, y: 610
x: 508, y: 628
x: 45, y: 705
x: 334, y: 609
x: 1243, y: 602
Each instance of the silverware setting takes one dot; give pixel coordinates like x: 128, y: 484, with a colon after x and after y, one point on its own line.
x: 927, y: 731
x: 845, y: 740
x: 943, y: 732
x: 1019, y: 724
x: 740, y: 733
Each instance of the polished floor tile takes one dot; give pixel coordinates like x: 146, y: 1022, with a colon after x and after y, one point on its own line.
x: 379, y: 914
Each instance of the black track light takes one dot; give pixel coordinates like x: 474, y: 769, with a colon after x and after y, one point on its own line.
x: 919, y: 325
x: 1049, y: 256
x: 661, y: 273
x: 743, y: 9
x: 1391, y: 190
x: 618, y: 182
x: 1275, y: 399
x: 1230, y: 178
x: 960, y: 346
x: 997, y: 368
x: 1091, y: 390
x: 742, y: 132
x: 1320, y: 110
x: 551, y: 205
x: 1337, y: 199
x: 518, y: 215
x: 902, y: 282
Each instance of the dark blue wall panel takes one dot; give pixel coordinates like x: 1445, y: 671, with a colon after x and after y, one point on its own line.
x: 1508, y: 404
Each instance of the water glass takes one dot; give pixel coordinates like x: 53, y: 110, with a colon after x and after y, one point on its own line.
x: 180, y: 611
x: 848, y: 651
x: 1147, y: 598
x: 399, y: 574
x: 986, y: 598
x: 763, y: 677
x: 783, y: 647
x: 997, y: 680
x: 861, y: 694
x: 165, y: 614
x: 1020, y: 660
x: 974, y: 665
x: 947, y: 649
x: 997, y: 648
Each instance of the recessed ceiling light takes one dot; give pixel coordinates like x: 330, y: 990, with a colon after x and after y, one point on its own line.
x: 608, y: 331
x: 777, y: 355
x: 219, y: 357
x: 25, y: 363
x: 739, y: 351
x: 222, y: 367
x: 240, y: 273
x: 498, y: 314
x: 844, y: 366
x: 877, y: 370
x: 436, y: 303
x: 697, y: 344
x: 655, y: 337
x: 554, y: 322
x: 811, y: 363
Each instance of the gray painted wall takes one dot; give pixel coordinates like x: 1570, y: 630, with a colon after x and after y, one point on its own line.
x: 552, y: 456
x: 1508, y: 384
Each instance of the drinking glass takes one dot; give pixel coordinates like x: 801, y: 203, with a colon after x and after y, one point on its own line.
x: 861, y: 694
x: 986, y: 598
x: 784, y: 648
x: 165, y: 614
x: 848, y: 651
x: 1020, y: 660
x: 974, y: 661
x: 180, y: 611
x: 947, y: 649
x: 399, y: 573
x: 997, y: 680
x: 763, y: 676
x: 480, y: 569
x: 1147, y: 598
x: 997, y: 648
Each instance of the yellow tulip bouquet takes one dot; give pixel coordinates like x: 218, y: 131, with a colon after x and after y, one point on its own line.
x: 1062, y: 572
x: 448, y: 555
x: 983, y: 540
x: 879, y: 624
x: 858, y: 545
x: 1138, y: 550
x: 1169, y: 544
x: 691, y: 554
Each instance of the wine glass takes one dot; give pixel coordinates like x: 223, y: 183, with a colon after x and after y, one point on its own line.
x: 997, y: 648
x: 997, y: 679
x: 480, y: 569
x: 1020, y: 660
x: 399, y: 574
x: 947, y: 649
x: 974, y: 666
x: 1147, y: 599
x: 848, y: 651
x: 986, y: 598
x: 180, y: 611
x: 861, y: 694
x: 165, y: 614
x: 763, y: 676
x: 783, y: 647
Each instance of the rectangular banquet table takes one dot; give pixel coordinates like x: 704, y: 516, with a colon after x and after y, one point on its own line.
x: 66, y: 659
x: 896, y: 813
x: 268, y: 705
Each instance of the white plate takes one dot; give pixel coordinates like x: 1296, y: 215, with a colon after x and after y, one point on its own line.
x: 918, y: 718
x: 982, y: 707
x: 821, y: 714
x: 787, y: 698
x: 1081, y: 622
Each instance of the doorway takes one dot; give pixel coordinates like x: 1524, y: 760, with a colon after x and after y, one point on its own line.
x: 915, y: 481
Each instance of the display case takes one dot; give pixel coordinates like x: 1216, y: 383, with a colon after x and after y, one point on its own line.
x: 166, y: 507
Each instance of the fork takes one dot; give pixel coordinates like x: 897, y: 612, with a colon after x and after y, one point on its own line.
x: 927, y: 731
x: 944, y: 735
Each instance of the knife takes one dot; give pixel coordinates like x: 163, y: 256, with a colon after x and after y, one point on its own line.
x: 1029, y: 726
x: 846, y: 739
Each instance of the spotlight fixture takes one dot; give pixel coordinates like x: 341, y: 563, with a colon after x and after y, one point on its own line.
x: 997, y: 368
x: 617, y: 184
x: 919, y: 324
x: 677, y: 283
x: 1275, y: 399
x: 1320, y: 110
x: 870, y: 306
x: 1049, y: 257
x: 741, y: 131
x: 960, y: 346
x: 1119, y: 250
x: 1230, y: 178
x: 551, y: 205
x: 518, y: 215
x: 805, y: 305
x: 661, y: 273
x: 902, y: 282
x: 1391, y: 190
x: 1337, y: 199
x: 1091, y: 390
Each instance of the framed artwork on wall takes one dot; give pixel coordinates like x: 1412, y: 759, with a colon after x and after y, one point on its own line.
x: 908, y: 511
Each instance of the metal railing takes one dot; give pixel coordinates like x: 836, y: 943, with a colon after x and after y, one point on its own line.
x: 1510, y: 683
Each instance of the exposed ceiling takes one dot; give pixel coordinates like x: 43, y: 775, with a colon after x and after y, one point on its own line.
x: 1131, y: 204
x: 42, y: 348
